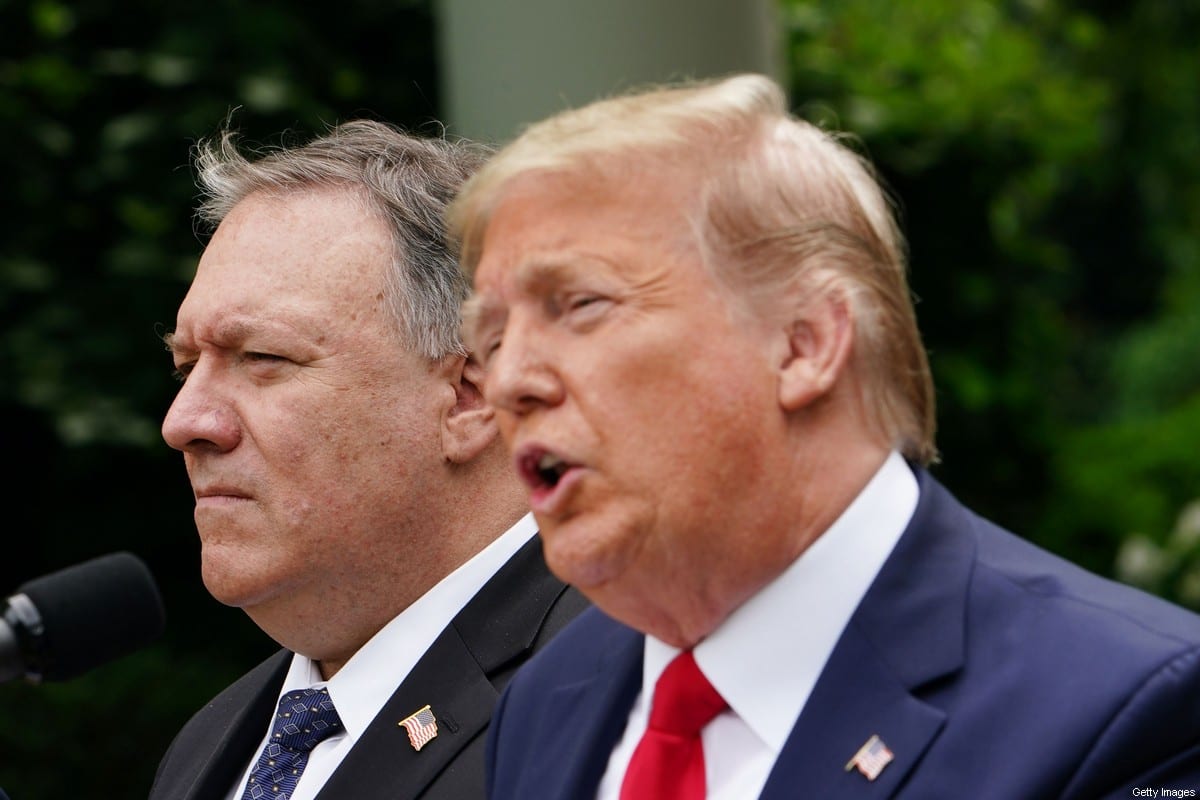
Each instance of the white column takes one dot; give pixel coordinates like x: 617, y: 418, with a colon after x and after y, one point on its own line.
x: 505, y: 63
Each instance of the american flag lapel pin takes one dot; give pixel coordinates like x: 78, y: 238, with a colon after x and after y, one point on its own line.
x: 421, y: 727
x: 871, y: 758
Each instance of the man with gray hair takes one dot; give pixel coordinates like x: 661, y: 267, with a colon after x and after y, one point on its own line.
x: 352, y: 493
x: 696, y: 326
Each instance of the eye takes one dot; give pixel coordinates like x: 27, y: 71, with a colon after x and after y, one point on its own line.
x: 488, y: 350
x: 264, y: 357
x: 267, y: 366
x: 577, y: 302
x: 584, y: 308
x: 483, y: 340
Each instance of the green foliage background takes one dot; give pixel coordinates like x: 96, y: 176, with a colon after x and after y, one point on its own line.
x: 100, y: 102
x: 1045, y: 153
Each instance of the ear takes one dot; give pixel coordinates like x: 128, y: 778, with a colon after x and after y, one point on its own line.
x: 820, y: 339
x: 470, y: 424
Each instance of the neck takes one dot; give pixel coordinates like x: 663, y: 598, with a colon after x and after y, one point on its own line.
x: 685, y: 601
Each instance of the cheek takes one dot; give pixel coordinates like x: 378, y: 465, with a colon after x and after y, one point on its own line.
x: 325, y: 451
x: 686, y: 439
x: 666, y: 401
x: 593, y: 548
x: 385, y: 447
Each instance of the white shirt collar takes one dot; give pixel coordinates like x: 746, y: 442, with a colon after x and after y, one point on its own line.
x: 766, y: 657
x: 372, y: 675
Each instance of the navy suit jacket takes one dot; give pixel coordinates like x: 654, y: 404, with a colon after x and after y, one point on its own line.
x: 460, y: 676
x: 989, y: 667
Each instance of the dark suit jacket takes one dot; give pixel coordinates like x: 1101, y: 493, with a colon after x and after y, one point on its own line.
x: 460, y: 675
x: 990, y: 668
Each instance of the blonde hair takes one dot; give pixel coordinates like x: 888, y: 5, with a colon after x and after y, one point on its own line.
x: 779, y: 203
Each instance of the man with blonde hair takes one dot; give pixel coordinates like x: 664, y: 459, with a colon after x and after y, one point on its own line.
x: 695, y: 318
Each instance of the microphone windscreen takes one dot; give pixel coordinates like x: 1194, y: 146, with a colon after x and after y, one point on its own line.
x: 95, y: 612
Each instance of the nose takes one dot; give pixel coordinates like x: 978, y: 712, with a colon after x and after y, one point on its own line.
x: 200, y: 419
x: 520, y: 378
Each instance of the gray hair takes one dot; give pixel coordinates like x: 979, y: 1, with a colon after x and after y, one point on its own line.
x: 779, y: 203
x: 407, y: 180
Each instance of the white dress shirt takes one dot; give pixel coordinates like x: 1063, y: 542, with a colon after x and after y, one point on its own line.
x: 766, y: 657
x: 372, y: 675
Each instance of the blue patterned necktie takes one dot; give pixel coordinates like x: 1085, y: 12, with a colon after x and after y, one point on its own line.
x: 305, y: 718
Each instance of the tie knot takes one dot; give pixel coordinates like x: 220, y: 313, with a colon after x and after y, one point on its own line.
x: 305, y: 718
x: 684, y: 700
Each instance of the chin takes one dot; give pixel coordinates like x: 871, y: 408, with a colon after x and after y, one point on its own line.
x: 588, y: 555
x: 230, y: 577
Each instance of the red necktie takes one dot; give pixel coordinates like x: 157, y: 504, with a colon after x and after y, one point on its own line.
x: 668, y: 763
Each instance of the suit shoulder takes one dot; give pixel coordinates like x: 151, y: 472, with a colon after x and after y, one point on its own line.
x: 1006, y: 574
x: 1092, y: 606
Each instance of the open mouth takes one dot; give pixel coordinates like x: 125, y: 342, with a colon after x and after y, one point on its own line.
x: 542, y: 470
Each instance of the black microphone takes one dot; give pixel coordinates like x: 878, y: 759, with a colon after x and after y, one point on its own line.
x: 63, y: 624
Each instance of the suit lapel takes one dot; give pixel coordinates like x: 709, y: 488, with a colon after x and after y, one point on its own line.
x: 516, y: 612
x: 841, y: 716
x: 383, y: 763
x: 906, y: 634
x: 242, y: 715
x: 456, y: 677
x: 585, y: 720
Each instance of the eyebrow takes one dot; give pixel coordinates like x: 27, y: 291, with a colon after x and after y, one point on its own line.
x: 531, y: 275
x: 225, y: 334
x: 173, y: 345
x: 547, y: 272
x: 537, y: 274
